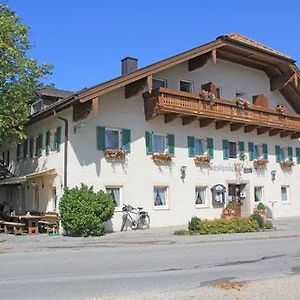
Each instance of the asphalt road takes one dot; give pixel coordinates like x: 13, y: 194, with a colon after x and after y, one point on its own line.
x: 185, y: 263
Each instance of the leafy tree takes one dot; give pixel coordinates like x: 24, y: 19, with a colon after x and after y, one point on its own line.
x: 20, y: 75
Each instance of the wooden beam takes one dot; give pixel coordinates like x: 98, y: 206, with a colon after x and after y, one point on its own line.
x: 95, y: 106
x: 279, y: 82
x: 236, y: 126
x: 170, y: 117
x: 295, y: 135
x: 198, y: 62
x: 262, y: 130
x: 188, y: 120
x: 221, y: 124
x: 274, y: 131
x: 82, y: 110
x: 249, y: 128
x: 285, y: 133
x: 214, y: 56
x: 205, y: 122
x: 135, y: 87
x: 149, y: 82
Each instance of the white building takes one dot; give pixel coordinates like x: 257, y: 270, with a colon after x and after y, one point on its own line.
x: 158, y: 109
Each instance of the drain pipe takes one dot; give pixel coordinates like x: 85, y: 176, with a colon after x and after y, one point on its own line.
x: 66, y: 141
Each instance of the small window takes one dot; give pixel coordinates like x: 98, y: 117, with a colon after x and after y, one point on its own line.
x: 157, y: 83
x: 115, y: 192
x: 200, y: 146
x: 258, y: 194
x: 240, y: 95
x: 201, y: 196
x: 159, y: 143
x: 232, y: 150
x: 54, y: 199
x: 219, y: 92
x: 257, y: 151
x: 160, y: 196
x: 112, y: 138
x: 186, y: 86
x: 284, y: 194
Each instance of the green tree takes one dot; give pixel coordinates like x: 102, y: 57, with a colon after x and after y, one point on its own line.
x: 20, y: 75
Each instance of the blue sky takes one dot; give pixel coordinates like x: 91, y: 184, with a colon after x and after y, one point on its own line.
x: 85, y: 40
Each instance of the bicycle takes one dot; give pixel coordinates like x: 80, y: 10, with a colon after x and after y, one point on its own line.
x: 141, y: 221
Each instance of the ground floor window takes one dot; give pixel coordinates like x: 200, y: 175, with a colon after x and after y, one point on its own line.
x: 284, y: 194
x: 258, y: 194
x: 201, y: 196
x: 160, y: 196
x: 115, y: 192
x: 54, y: 199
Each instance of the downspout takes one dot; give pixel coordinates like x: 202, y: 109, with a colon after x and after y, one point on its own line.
x: 66, y: 141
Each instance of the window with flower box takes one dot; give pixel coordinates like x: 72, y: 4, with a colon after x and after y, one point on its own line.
x: 232, y: 149
x: 157, y: 143
x: 200, y: 146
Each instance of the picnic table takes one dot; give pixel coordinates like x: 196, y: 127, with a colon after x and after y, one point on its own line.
x: 32, y: 222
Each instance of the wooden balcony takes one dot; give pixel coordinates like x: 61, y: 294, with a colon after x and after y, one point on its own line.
x: 191, y: 107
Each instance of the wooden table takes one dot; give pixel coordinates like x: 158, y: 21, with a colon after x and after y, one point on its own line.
x: 30, y: 221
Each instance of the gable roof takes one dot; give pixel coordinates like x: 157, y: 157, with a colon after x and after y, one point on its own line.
x: 53, y: 92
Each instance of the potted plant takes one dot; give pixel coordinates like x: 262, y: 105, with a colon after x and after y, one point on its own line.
x: 287, y: 164
x: 281, y: 109
x: 260, y: 163
x: 202, y: 160
x: 162, y: 157
x: 114, y: 154
x: 208, y: 96
x: 242, y: 103
x: 229, y: 211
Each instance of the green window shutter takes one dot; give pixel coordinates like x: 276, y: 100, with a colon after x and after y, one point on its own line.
x: 47, y: 142
x: 126, y: 140
x: 251, y: 151
x: 298, y: 155
x: 171, y: 143
x: 25, y: 148
x: 225, y: 146
x: 40, y: 144
x: 191, y: 146
x: 277, y: 154
x: 265, y: 151
x: 57, y: 139
x: 149, y: 142
x: 18, y: 151
x: 100, y: 133
x: 31, y: 148
x: 210, y: 147
x: 290, y: 153
x: 241, y: 150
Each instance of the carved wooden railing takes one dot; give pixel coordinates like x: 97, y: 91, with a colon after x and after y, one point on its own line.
x: 165, y: 100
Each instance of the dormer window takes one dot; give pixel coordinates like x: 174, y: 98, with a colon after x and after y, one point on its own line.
x: 186, y: 86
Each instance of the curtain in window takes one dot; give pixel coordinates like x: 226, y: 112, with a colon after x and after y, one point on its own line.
x: 115, y: 194
x: 284, y: 194
x: 159, y: 196
x: 200, y: 196
x: 199, y: 147
x: 258, y: 194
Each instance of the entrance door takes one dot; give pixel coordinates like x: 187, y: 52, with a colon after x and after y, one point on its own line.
x: 234, y: 192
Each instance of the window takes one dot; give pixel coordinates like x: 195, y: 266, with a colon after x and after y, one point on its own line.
x: 258, y: 194
x: 257, y: 151
x: 232, y: 150
x: 239, y: 94
x: 284, y: 194
x: 200, y: 146
x: 54, y: 199
x: 219, y: 92
x: 159, y: 143
x: 112, y: 138
x: 115, y: 192
x: 201, y: 196
x: 284, y: 154
x: 160, y: 196
x: 157, y: 83
x: 186, y: 86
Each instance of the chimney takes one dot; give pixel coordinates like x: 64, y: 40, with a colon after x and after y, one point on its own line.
x: 129, y: 64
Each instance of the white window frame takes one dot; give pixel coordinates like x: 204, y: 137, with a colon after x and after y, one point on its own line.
x: 262, y: 193
x: 187, y: 81
x: 165, y: 142
x: 119, y: 137
x: 205, y: 204
x: 204, y: 145
x: 161, y: 80
x: 237, y: 149
x: 120, y: 187
x: 161, y: 207
x: 287, y: 187
x: 54, y: 204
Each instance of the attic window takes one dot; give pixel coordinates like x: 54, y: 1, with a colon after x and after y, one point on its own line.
x: 186, y: 86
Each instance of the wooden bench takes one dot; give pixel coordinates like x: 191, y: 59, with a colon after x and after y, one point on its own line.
x: 14, y: 227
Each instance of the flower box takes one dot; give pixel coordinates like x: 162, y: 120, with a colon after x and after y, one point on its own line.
x: 260, y: 163
x: 281, y: 109
x: 114, y: 154
x: 162, y: 157
x: 287, y: 164
x: 242, y: 103
x: 202, y: 160
x: 208, y: 96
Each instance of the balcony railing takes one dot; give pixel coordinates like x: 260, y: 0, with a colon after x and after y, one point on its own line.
x: 181, y: 104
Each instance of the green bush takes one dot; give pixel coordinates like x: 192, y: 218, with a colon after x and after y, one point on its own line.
x: 229, y: 205
x: 83, y: 212
x: 234, y: 225
x: 258, y: 218
x: 261, y: 206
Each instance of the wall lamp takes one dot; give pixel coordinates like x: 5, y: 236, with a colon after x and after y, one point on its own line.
x: 273, y: 175
x: 183, y: 172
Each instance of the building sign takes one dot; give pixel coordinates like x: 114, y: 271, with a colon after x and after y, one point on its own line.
x: 247, y: 170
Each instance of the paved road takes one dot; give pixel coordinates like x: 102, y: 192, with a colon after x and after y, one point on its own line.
x: 128, y: 263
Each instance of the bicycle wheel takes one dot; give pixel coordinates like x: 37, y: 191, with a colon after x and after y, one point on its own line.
x: 124, y: 220
x: 143, y: 222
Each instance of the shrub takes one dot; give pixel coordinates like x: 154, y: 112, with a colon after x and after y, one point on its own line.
x: 182, y: 232
x: 194, y: 224
x: 83, y: 212
x: 261, y: 206
x: 258, y: 218
x: 268, y: 224
x: 229, y: 205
